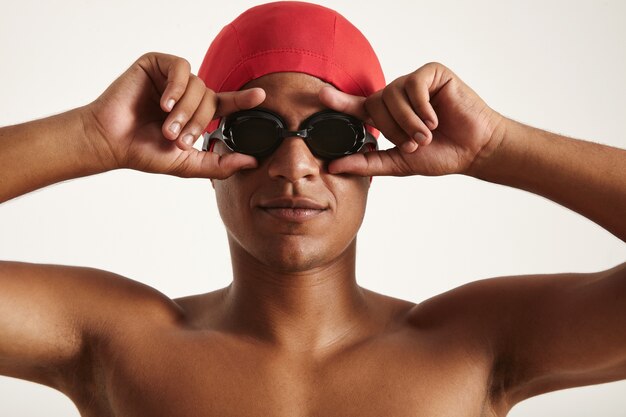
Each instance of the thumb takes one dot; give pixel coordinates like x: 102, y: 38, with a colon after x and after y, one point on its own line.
x: 231, y: 101
x: 212, y: 165
x: 369, y: 164
x: 344, y: 103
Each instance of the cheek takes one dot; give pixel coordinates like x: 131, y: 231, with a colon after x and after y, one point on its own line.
x: 233, y: 196
x: 229, y: 198
x: 351, y: 196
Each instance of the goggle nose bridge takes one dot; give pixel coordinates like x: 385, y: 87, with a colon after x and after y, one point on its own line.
x: 285, y: 133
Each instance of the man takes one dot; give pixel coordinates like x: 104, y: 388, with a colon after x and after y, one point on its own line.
x: 294, y: 334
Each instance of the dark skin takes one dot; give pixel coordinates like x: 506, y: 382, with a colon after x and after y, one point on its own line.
x: 294, y: 334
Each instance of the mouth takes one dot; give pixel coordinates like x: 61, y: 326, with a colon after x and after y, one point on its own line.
x: 293, y: 209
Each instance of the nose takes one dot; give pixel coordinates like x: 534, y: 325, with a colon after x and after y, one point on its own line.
x: 293, y: 161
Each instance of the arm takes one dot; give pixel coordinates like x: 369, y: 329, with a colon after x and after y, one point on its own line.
x: 51, y: 316
x: 564, y: 330
x: 544, y: 332
x: 541, y: 332
x: 586, y: 177
x: 558, y: 331
x: 37, y: 338
x: 47, y: 312
x: 129, y: 126
x: 36, y: 154
x: 441, y: 126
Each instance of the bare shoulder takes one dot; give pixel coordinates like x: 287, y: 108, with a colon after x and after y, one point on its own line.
x: 51, y: 316
x: 543, y: 332
x: 202, y: 311
x: 489, y: 310
x: 467, y: 305
x: 494, y: 301
x: 89, y: 293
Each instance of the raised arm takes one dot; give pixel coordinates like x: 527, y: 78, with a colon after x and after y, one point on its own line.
x: 40, y: 153
x: 544, y: 332
x: 441, y: 126
x: 586, y: 177
x: 146, y: 120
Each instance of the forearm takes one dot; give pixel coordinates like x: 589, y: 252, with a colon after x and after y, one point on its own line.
x: 586, y: 177
x: 44, y: 152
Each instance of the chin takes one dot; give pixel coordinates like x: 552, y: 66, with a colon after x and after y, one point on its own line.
x: 291, y: 253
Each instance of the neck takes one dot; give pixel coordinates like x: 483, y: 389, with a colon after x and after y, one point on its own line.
x: 299, y: 310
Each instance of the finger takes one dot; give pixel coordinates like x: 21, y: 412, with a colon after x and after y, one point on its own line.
x: 184, y: 108
x: 178, y: 71
x: 198, y: 122
x: 232, y: 101
x: 212, y: 165
x: 378, y: 111
x: 400, y: 108
x: 421, y: 85
x: 368, y: 164
x: 344, y: 103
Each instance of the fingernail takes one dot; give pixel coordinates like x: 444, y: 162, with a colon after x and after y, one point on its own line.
x: 409, y: 146
x: 175, y: 128
x: 420, y: 137
x: 170, y: 104
x: 188, y: 139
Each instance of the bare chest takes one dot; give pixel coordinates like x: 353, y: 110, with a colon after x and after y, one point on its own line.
x: 187, y: 374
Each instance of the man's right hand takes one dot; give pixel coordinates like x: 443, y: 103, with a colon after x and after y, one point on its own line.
x: 149, y: 118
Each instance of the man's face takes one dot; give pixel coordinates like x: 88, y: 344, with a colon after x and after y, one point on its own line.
x: 253, y: 204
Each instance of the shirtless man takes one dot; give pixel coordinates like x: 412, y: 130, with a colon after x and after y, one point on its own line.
x: 294, y: 335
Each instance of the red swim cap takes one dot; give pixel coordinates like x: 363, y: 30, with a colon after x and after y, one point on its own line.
x: 296, y: 37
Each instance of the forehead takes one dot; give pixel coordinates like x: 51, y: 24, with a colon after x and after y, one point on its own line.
x: 293, y: 95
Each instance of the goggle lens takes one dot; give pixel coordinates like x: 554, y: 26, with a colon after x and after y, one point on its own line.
x: 333, y: 137
x: 253, y: 136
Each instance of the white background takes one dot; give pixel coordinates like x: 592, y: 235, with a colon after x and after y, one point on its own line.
x: 556, y: 65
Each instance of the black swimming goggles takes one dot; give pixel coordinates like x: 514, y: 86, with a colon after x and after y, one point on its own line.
x: 328, y: 134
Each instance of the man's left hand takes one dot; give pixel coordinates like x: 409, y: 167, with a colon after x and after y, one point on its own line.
x: 438, y: 124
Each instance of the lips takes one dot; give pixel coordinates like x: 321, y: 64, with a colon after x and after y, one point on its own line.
x: 293, y: 209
